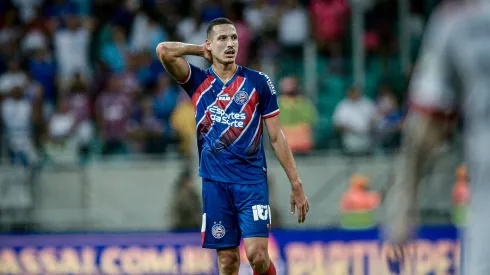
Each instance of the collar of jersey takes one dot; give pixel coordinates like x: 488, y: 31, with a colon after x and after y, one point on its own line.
x: 229, y: 81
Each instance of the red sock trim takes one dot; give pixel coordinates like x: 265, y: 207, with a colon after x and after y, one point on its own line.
x: 270, y: 271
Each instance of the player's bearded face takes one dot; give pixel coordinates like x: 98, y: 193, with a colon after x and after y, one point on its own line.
x: 224, y: 43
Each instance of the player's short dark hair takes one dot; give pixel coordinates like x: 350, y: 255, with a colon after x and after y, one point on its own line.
x: 216, y: 22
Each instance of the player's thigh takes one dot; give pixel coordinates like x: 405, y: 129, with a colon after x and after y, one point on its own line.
x: 220, y: 227
x: 252, y: 204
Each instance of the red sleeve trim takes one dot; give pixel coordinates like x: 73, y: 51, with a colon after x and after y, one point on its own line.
x: 271, y: 114
x: 433, y: 111
x: 187, y: 77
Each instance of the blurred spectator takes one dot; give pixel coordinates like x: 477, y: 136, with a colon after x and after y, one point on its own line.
x: 330, y: 20
x: 34, y: 40
x: 27, y: 9
x: 43, y: 70
x: 461, y: 195
x: 293, y: 27
x: 244, y: 33
x: 61, y: 9
x: 354, y: 117
x: 80, y: 108
x: 389, y: 118
x: 164, y: 102
x: 68, y: 137
x: 147, y: 131
x: 129, y: 78
x: 115, y: 52
x: 113, y: 111
x: 259, y: 16
x: 18, y: 116
x: 186, y: 205
x: 33, y: 92
x: 212, y: 9
x: 192, y: 30
x: 11, y: 30
x: 72, y: 49
x: 183, y: 123
x: 148, y: 69
x: 146, y: 33
x: 337, y: 64
x: 13, y: 77
x: 269, y: 50
x: 358, y: 203
x: 298, y: 116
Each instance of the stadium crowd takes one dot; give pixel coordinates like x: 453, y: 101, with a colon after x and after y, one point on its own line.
x: 81, y: 78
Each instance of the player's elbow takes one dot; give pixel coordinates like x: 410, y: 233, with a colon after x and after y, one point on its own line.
x: 274, y: 138
x: 164, y: 52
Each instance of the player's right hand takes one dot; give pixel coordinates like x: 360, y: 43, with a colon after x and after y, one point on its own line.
x: 298, y: 200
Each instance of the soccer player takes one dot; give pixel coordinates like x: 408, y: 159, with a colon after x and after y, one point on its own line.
x: 452, y: 74
x: 232, y: 103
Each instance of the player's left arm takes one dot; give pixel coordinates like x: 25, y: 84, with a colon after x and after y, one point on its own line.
x: 281, y: 149
x: 285, y: 156
x: 269, y: 109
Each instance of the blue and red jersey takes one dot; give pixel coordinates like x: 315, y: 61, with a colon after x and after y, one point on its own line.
x: 229, y: 119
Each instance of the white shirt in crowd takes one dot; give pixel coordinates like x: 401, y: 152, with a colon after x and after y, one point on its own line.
x: 357, y: 118
x: 19, y: 130
x: 11, y: 80
x: 61, y: 124
x: 72, y: 50
x: 293, y: 27
x: 34, y: 40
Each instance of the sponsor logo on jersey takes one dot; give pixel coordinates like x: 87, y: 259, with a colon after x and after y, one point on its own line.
x: 218, y: 231
x: 260, y: 212
x: 235, y: 120
x: 269, y: 82
x: 224, y: 98
x: 241, y: 97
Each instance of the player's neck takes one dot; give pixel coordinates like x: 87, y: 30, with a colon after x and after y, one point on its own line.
x: 225, y: 71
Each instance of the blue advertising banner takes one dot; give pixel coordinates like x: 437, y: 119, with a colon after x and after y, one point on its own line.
x: 295, y: 252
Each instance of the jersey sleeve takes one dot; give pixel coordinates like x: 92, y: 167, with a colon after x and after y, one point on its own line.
x: 434, y: 84
x: 268, y: 105
x: 194, y: 78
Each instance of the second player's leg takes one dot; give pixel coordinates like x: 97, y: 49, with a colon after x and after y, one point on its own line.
x: 476, y: 244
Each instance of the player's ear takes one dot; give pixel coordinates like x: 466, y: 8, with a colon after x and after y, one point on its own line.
x: 208, y: 44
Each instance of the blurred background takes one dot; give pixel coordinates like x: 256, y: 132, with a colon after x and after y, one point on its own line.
x: 95, y: 135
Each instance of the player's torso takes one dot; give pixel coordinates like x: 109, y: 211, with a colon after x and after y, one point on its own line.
x: 470, y: 45
x: 227, y: 115
x: 470, y: 48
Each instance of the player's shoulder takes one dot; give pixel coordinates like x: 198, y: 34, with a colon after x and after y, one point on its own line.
x: 254, y: 75
x: 452, y: 12
x: 259, y: 79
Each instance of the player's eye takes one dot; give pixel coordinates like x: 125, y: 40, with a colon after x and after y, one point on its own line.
x: 234, y: 37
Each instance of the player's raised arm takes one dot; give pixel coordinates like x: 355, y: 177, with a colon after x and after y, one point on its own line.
x: 171, y: 55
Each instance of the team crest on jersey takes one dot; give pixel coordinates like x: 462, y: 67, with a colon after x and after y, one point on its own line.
x: 218, y: 231
x: 241, y: 97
